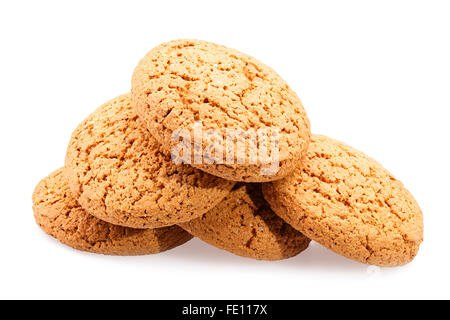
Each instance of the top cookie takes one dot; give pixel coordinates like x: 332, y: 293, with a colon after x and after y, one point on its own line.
x: 349, y: 203
x: 184, y: 82
x: 119, y: 175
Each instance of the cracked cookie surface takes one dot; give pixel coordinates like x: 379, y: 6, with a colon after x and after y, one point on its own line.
x: 58, y: 213
x: 115, y: 168
x: 244, y: 224
x: 349, y: 203
x: 183, y: 82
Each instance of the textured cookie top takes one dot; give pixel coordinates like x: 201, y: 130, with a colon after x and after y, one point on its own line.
x: 348, y: 202
x: 58, y: 213
x: 184, y: 81
x: 244, y: 224
x: 119, y: 174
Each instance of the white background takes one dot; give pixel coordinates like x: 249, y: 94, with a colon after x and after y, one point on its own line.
x: 375, y: 74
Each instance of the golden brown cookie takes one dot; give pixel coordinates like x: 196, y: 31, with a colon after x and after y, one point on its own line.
x: 183, y: 82
x: 349, y: 203
x: 58, y: 213
x: 119, y: 175
x: 244, y: 224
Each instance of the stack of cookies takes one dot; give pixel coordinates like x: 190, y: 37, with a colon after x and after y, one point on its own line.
x: 214, y: 144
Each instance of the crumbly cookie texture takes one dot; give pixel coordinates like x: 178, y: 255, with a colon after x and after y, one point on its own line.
x: 349, y: 203
x: 119, y: 175
x: 244, y: 224
x: 183, y: 82
x: 58, y: 213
